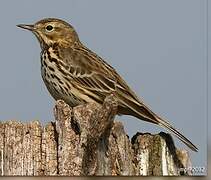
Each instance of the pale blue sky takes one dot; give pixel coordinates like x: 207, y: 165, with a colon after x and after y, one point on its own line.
x: 158, y: 46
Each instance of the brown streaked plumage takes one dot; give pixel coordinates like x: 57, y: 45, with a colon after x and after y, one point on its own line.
x: 77, y: 75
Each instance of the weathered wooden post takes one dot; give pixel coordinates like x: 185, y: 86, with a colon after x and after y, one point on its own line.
x: 84, y: 141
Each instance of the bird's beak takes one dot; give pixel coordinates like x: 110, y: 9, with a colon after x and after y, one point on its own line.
x: 26, y: 26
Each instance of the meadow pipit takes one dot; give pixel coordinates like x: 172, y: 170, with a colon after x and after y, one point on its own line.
x: 77, y: 75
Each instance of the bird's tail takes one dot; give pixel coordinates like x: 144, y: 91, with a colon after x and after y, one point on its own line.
x: 168, y: 126
x: 138, y: 109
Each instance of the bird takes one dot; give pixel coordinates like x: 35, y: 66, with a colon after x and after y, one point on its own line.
x: 77, y: 75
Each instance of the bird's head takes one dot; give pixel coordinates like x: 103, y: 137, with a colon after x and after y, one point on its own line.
x: 51, y: 31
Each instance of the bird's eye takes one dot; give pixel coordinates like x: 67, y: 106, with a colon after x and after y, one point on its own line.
x: 49, y: 28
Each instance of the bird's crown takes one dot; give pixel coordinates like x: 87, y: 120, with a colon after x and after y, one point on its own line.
x: 51, y: 30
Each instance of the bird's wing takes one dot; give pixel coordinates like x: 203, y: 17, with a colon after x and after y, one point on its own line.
x: 90, y: 74
x: 98, y: 79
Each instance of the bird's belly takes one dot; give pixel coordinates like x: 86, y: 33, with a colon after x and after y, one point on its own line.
x: 58, y: 90
x: 69, y: 99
